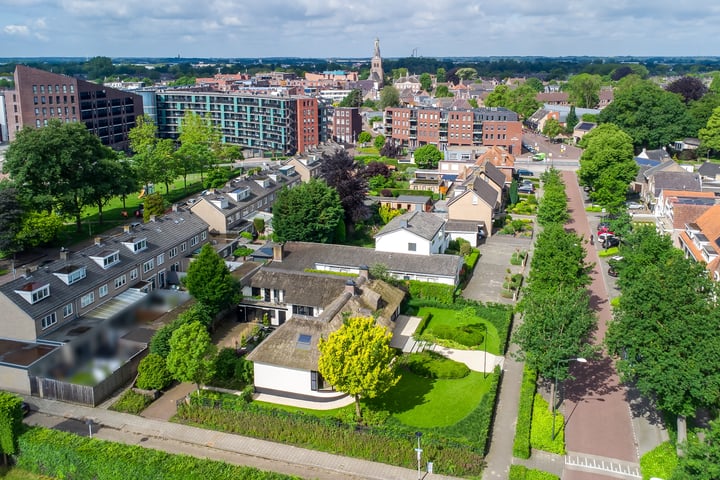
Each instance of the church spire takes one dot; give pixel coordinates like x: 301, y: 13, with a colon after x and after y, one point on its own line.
x: 376, y: 70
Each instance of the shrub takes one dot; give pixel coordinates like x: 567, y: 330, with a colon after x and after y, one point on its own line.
x: 259, y: 224
x: 65, y: 455
x: 542, y: 428
x: 659, y: 462
x: 521, y: 444
x: 471, y: 260
x: 231, y: 370
x: 10, y: 422
x: 608, y: 252
x: 432, y: 291
x: 433, y: 365
x: 521, y: 472
x: 246, y: 235
x: 243, y: 251
x: 131, y: 402
x: 467, y: 335
x: 153, y: 373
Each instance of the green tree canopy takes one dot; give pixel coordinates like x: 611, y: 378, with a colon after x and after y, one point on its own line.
x: 199, y: 145
x: 520, y: 100
x: 192, y: 354
x: 584, y: 90
x: 352, y: 99
x: 571, y: 120
x: 701, y: 456
x: 650, y: 115
x: 364, y: 137
x: 357, y: 359
x: 426, y: 82
x: 210, y: 282
x: 379, y: 141
x: 552, y: 128
x: 153, y: 157
x: 11, y: 425
x: 341, y: 172
x: 57, y: 166
x: 660, y: 333
x: 11, y: 220
x: 608, y: 157
x: 389, y: 97
x: 442, y: 91
x: 710, y: 135
x: 309, y: 212
x: 427, y: 156
x: 153, y: 373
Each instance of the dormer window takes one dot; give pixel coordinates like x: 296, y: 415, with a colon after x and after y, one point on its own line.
x: 33, y: 292
x: 135, y: 244
x: 107, y: 258
x: 71, y: 274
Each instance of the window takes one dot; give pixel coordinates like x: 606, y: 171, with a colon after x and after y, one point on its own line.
x: 161, y: 259
x: 120, y: 281
x: 67, y: 310
x: 133, y: 274
x: 49, y: 321
x: 194, y: 241
x: 203, y: 235
x: 103, y: 291
x: 76, y: 275
x: 412, y: 247
x: 87, y: 299
x: 183, y: 247
x: 139, y: 245
x: 149, y: 265
x: 173, y: 252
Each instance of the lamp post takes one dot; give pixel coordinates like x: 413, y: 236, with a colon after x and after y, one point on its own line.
x: 557, y: 366
x: 419, y: 453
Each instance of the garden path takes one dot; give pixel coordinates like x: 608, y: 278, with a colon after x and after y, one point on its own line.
x: 476, y: 360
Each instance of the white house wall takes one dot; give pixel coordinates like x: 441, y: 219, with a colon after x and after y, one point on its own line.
x: 16, y: 323
x: 284, y: 379
x: 397, y: 242
x: 14, y: 379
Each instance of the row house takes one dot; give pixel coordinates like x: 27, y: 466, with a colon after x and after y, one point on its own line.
x: 74, y: 307
x: 677, y: 208
x: 232, y: 208
x: 413, y: 127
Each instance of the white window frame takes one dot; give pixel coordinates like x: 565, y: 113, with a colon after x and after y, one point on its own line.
x: 173, y: 252
x: 160, y: 259
x: 149, y: 265
x: 48, y: 321
x: 103, y: 291
x: 134, y: 274
x: 67, y: 310
x: 87, y: 299
x: 120, y: 281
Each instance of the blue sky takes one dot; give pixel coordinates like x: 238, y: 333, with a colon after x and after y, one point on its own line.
x: 341, y: 28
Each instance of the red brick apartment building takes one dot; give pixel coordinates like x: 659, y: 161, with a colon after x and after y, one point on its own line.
x: 40, y: 96
x: 414, y: 127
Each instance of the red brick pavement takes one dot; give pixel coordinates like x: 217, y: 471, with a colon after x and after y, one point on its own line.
x: 597, y: 414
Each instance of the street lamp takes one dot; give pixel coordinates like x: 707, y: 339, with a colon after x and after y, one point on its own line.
x: 419, y: 453
x: 557, y: 367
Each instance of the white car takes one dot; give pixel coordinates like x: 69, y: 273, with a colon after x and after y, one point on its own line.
x: 634, y: 206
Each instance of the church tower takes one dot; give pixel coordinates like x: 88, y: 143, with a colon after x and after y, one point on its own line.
x: 376, y: 70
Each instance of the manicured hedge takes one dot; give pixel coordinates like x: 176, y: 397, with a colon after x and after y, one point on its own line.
x: 471, y: 260
x: 432, y: 365
x: 432, y: 291
x: 521, y: 472
x: 542, y: 422
x: 65, y: 455
x: 521, y: 445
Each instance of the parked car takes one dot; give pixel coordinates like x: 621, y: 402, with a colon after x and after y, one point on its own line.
x: 539, y: 157
x: 634, y: 206
x: 612, y: 272
x: 25, y: 407
x: 602, y: 236
x: 612, y: 269
x: 611, y: 242
x: 523, y: 172
x: 525, y: 188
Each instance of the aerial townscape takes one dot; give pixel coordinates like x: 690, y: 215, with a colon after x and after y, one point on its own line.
x: 484, y: 262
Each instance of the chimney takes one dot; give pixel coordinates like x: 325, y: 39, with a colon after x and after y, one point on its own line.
x: 98, y: 240
x: 174, y: 207
x: 127, y: 228
x: 278, y: 252
x: 152, y: 218
x: 403, y: 224
x: 64, y: 254
x: 350, y: 287
x: 364, y: 271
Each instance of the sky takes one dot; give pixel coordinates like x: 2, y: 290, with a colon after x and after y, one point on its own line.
x: 347, y: 29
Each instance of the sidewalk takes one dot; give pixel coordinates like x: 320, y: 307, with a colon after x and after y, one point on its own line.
x: 236, y: 449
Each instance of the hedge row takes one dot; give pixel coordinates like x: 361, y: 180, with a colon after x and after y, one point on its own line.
x: 542, y: 428
x: 521, y: 472
x: 521, y: 445
x: 432, y: 291
x: 392, y: 446
x: 65, y: 455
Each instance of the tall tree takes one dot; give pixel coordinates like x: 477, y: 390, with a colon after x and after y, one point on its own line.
x: 11, y: 216
x: 427, y: 156
x: 153, y: 159
x: 341, y: 172
x: 552, y: 128
x: 389, y: 97
x: 192, y: 354
x: 426, y: 82
x: 108, y: 174
x: 571, y: 120
x: 210, y: 282
x: 535, y: 83
x: 660, y: 332
x: 650, y: 115
x: 352, y: 99
x: 440, y: 75
x: 710, y: 135
x: 357, y: 359
x: 608, y: 156
x: 309, y: 212
x: 39, y: 228
x: 199, y: 144
x: 584, y: 90
x: 701, y: 456
x: 57, y: 163
x: 689, y: 88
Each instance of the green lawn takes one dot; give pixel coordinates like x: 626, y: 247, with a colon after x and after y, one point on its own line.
x: 420, y: 402
x: 448, y: 317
